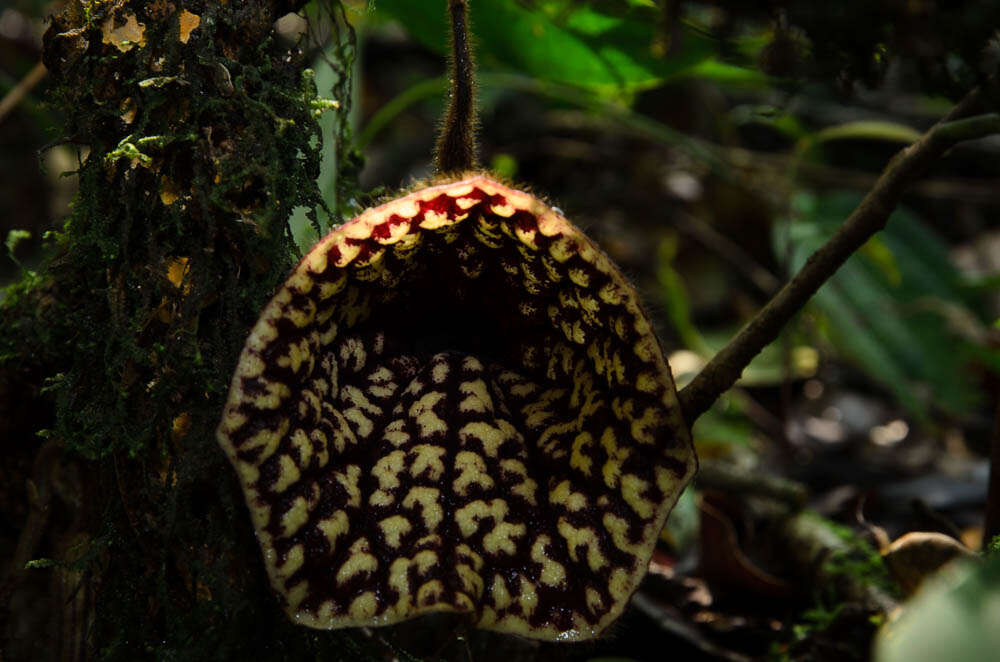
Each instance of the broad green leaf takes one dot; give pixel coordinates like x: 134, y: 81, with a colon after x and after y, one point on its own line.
x: 563, y: 42
x: 890, y: 307
x: 955, y: 616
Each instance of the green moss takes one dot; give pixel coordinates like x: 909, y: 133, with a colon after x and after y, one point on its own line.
x: 198, y: 152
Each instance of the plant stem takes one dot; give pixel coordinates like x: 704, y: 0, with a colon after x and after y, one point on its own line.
x: 868, y: 218
x: 991, y: 524
x: 456, y: 146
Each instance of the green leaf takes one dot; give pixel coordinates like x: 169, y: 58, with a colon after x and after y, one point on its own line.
x: 868, y: 130
x: 891, y: 308
x: 955, y: 616
x: 564, y: 42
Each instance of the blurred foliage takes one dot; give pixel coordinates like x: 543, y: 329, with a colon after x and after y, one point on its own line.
x: 954, y: 616
x: 893, y: 306
x: 606, y: 47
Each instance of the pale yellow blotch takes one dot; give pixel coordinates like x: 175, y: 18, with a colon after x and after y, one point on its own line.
x: 665, y: 480
x: 333, y: 527
x: 248, y: 472
x: 460, y: 189
x: 527, y: 237
x: 502, y: 538
x: 553, y: 573
x: 315, y: 263
x: 505, y: 211
x: 388, y: 468
x: 579, y: 276
x: 562, y: 249
x: 359, y: 561
x: 584, y: 537
x: 428, y: 458
x: 528, y: 598
x: 645, y: 349
x: 359, y: 400
x: 349, y: 481
x: 330, y: 330
x: 477, y: 397
x: 467, y: 553
x: 527, y: 487
x: 327, y: 290
x: 424, y: 560
x: 325, y: 613
x: 491, y: 437
x: 563, y: 494
x: 294, y: 517
x: 275, y: 393
x: 394, y: 528
x: 364, y: 425
x: 589, y: 306
x: 643, y: 426
x: 288, y: 474
x: 619, y: 585
x: 294, y: 559
x: 395, y: 433
x: 610, y: 293
x: 646, y: 383
x: 468, y: 516
x: 551, y: 224
x: 297, y: 594
x: 423, y: 413
x: 439, y: 373
x: 302, y: 317
x: 381, y: 498
x: 364, y: 606
x: 430, y: 593
x: 523, y: 390
x: 301, y: 281
x: 501, y: 596
x: 466, y: 203
x: 612, y: 469
x: 353, y: 351
x: 400, y: 581
x: 396, y: 232
x: 267, y: 440
x: 433, y: 220
x: 578, y: 459
x: 427, y: 498
x: 618, y: 528
x: 594, y: 601
x: 471, y: 582
x: 472, y: 470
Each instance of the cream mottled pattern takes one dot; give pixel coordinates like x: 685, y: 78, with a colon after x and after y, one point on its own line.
x: 456, y: 403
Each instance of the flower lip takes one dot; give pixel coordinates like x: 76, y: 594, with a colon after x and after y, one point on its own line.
x: 456, y: 403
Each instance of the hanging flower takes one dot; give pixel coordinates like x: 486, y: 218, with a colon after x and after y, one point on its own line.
x: 456, y: 403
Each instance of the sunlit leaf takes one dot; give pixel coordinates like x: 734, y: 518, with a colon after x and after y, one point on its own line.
x: 563, y: 42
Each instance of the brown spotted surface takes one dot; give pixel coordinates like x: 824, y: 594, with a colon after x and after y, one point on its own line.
x: 455, y: 403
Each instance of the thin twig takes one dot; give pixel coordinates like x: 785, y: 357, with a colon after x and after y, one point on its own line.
x: 19, y: 91
x: 868, y: 218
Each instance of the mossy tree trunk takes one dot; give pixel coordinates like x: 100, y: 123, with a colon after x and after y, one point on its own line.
x: 199, y: 137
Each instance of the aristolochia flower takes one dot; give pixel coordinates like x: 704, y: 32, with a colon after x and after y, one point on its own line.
x: 456, y: 403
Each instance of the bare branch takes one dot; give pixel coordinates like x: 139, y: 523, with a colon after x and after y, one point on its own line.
x: 868, y: 218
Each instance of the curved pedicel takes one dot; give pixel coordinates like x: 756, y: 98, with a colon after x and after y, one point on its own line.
x: 456, y: 403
